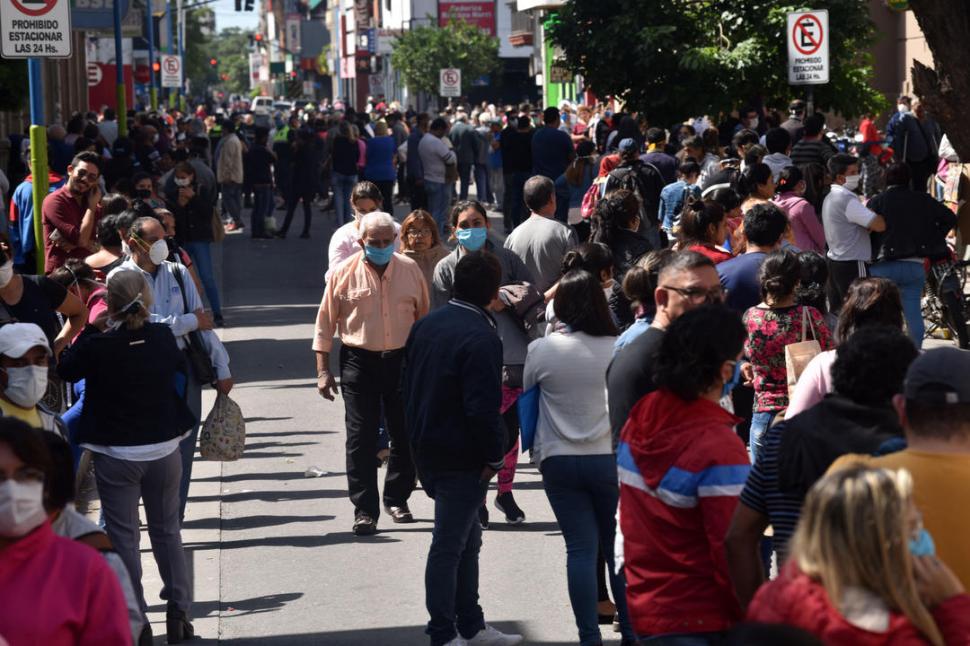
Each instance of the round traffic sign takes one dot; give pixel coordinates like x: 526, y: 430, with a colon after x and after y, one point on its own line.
x: 34, y: 7
x: 449, y: 77
x: 807, y: 34
x: 172, y: 65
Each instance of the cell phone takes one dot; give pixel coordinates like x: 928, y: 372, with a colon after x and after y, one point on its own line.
x: 56, y: 236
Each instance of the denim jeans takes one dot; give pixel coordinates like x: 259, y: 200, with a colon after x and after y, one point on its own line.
x: 759, y: 424
x: 343, y: 185
x: 262, y: 209
x: 464, y: 180
x: 451, y: 574
x: 910, y: 278
x: 583, y: 491
x: 232, y: 201
x: 482, y: 189
x: 201, y: 254
x: 439, y: 197
x: 496, y: 187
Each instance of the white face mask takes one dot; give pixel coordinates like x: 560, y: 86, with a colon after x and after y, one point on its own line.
x: 158, y: 252
x: 902, y: 107
x: 852, y: 182
x: 183, y: 182
x: 21, y: 507
x: 6, y: 273
x: 753, y: 123
x: 26, y: 385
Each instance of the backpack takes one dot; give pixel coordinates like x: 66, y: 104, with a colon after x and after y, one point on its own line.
x: 592, y: 198
x: 645, y: 181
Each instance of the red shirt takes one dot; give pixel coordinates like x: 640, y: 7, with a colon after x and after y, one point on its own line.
x: 716, y: 255
x: 61, y: 212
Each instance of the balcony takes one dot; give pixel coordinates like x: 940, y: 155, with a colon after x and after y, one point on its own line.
x: 522, y: 29
x: 533, y: 5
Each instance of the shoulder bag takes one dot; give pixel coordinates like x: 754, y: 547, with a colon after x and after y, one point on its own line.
x: 797, y: 355
x: 195, y: 350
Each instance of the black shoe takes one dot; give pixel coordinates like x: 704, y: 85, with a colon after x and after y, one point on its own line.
x: 177, y: 626
x: 364, y: 525
x: 483, y: 516
x: 400, y: 513
x: 146, y: 638
x: 505, y: 503
x: 305, y: 236
x: 218, y: 321
x: 280, y: 234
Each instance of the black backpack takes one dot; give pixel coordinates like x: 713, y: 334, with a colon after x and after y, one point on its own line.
x: 645, y: 181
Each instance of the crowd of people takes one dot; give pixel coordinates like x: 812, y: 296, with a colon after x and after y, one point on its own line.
x: 706, y: 337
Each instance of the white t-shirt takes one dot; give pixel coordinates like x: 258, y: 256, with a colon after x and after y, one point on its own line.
x: 846, y: 222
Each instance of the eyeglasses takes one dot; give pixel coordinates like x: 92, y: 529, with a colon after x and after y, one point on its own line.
x: 698, y: 294
x: 419, y: 233
x: 26, y: 475
x: 82, y: 174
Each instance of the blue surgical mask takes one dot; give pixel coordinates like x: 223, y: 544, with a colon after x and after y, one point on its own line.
x: 377, y: 255
x: 472, y: 239
x: 923, y: 544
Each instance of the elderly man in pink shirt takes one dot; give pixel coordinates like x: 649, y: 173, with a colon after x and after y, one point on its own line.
x: 371, y: 300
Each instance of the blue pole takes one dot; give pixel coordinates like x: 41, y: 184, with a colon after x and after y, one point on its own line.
x: 181, y: 29
x: 120, y: 74
x: 36, y: 91
x: 150, y: 27
x: 170, y: 21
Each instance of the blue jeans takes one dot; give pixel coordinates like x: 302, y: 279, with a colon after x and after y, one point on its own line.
x: 343, y: 186
x: 201, y: 254
x: 451, y: 574
x: 583, y: 491
x: 232, y: 201
x: 439, y: 196
x: 262, y: 209
x: 909, y: 277
x: 464, y: 180
x: 482, y: 189
x: 759, y: 424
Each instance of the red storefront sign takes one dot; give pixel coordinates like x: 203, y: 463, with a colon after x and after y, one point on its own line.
x: 475, y: 12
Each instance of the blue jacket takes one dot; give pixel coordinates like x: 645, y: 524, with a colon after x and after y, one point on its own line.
x: 672, y: 200
x: 453, y: 390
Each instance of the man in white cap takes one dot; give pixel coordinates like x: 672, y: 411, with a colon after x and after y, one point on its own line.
x: 24, y: 355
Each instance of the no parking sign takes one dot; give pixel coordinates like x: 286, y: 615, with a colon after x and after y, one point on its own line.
x: 171, y: 67
x: 808, y: 47
x: 35, y: 28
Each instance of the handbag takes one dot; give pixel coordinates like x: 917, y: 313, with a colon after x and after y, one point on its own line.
x: 797, y: 355
x: 223, y: 435
x: 218, y: 230
x: 195, y: 350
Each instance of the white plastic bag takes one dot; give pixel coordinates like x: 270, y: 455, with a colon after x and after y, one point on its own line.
x: 224, y: 432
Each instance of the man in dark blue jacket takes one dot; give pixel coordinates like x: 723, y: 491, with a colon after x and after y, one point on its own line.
x: 453, y: 390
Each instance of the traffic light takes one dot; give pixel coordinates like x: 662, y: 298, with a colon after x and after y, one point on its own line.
x: 258, y: 37
x: 156, y: 67
x: 213, y: 62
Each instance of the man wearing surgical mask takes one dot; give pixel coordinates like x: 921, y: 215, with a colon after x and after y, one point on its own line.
x: 24, y: 355
x: 177, y: 304
x: 371, y: 301
x: 847, y: 223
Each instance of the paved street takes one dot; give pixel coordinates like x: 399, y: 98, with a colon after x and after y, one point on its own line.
x: 272, y: 554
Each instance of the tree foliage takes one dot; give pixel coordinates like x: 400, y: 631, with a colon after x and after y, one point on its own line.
x: 420, y: 54
x: 678, y: 58
x: 231, y: 49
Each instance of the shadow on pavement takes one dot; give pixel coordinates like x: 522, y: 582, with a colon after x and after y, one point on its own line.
x: 273, y: 496
x: 316, y: 540
x: 276, y: 475
x: 267, y: 359
x: 289, y: 433
x: 253, y: 606
x: 250, y: 420
x: 269, y: 315
x: 393, y: 636
x: 251, y: 522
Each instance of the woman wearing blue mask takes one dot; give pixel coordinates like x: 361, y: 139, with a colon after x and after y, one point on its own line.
x: 471, y: 227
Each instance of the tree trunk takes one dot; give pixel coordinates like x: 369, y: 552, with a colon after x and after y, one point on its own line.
x: 945, y: 90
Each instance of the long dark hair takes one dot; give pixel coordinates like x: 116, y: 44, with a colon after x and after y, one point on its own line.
x: 594, y: 257
x: 753, y: 176
x: 581, y: 304
x: 870, y: 301
x: 696, y: 221
x: 616, y: 211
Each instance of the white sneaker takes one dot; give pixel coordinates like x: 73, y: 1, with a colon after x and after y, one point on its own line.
x: 457, y: 641
x: 489, y: 636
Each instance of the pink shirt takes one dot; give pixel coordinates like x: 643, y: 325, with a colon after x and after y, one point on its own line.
x: 805, y: 225
x: 55, y: 591
x: 813, y: 385
x: 370, y: 311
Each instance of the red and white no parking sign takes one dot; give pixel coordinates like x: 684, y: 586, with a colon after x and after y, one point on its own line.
x: 35, y: 28
x: 808, y: 47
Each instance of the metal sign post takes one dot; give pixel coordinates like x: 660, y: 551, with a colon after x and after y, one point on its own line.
x: 150, y: 27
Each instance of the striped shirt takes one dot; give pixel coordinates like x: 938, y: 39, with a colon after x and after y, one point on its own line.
x: 762, y: 493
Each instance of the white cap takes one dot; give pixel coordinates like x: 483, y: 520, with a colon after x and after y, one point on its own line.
x: 16, y: 339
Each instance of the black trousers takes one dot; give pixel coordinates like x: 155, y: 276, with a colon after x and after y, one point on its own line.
x: 368, y: 379
x: 842, y: 273
x: 419, y: 199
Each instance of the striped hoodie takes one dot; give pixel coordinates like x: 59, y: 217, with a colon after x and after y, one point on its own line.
x: 681, y: 469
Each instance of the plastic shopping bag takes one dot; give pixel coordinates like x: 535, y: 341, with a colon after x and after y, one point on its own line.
x: 224, y: 431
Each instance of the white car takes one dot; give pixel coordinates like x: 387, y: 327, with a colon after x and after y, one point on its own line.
x: 262, y: 105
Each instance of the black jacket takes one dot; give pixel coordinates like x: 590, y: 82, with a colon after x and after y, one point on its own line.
x: 836, y: 426
x: 130, y: 385
x: 916, y: 225
x: 627, y: 247
x: 193, y: 222
x: 453, y: 390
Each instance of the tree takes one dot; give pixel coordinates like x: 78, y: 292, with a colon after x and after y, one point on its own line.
x: 231, y: 48
x: 673, y: 59
x: 421, y: 53
x: 945, y: 90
